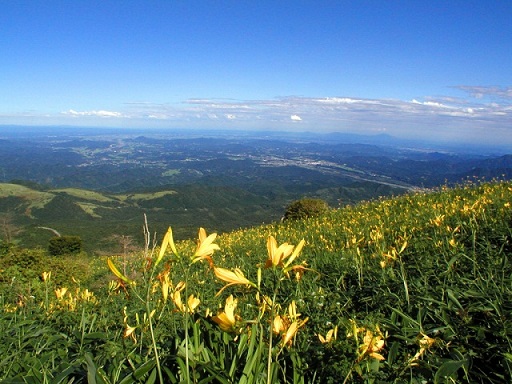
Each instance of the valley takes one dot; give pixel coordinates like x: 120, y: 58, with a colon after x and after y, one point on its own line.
x: 96, y: 183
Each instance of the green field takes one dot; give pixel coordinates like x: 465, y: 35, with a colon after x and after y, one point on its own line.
x: 414, y: 289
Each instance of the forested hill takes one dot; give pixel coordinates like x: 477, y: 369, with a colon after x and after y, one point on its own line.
x: 96, y: 216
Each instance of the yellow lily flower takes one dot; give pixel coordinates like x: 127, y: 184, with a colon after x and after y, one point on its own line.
x: 129, y: 332
x: 278, y: 254
x: 425, y: 343
x: 332, y: 334
x: 373, y: 343
x: 292, y: 311
x: 279, y: 324
x: 288, y: 325
x: 59, y: 293
x: 227, y: 319
x: 113, y: 286
x: 168, y: 241
x: 192, y: 303
x: 165, y: 284
x: 180, y: 286
x: 231, y: 277
x: 264, y: 303
x: 292, y: 331
x: 118, y: 274
x: 87, y: 295
x: 46, y: 276
x: 205, y: 247
x: 295, y: 253
x: 176, y: 298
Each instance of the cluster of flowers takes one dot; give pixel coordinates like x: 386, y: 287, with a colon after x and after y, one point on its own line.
x: 281, y: 259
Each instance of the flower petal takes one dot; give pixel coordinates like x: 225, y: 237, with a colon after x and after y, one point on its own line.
x: 117, y: 273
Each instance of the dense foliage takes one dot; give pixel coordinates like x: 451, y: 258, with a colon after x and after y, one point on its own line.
x: 305, y: 208
x: 415, y: 289
x: 64, y: 245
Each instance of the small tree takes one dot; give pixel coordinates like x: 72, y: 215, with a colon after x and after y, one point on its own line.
x: 303, y: 208
x: 65, y: 245
x: 125, y: 245
x: 9, y: 229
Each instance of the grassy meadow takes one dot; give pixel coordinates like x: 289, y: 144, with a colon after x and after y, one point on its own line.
x: 414, y: 289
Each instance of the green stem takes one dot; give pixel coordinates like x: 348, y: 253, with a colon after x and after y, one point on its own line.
x: 269, y: 358
x: 272, y: 315
x: 155, y: 349
x: 404, y: 279
x: 153, y: 340
x: 46, y: 301
x: 187, y: 364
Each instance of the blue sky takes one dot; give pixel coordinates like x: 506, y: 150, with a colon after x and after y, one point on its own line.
x: 414, y: 69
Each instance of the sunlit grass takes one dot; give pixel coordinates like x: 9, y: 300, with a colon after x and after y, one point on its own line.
x: 412, y: 289
x: 144, y: 196
x: 35, y: 198
x: 85, y: 194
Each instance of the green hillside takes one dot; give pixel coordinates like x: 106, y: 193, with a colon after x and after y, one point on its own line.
x: 96, y: 216
x: 414, y: 289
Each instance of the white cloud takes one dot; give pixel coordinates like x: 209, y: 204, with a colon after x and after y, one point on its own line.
x: 480, y: 92
x: 436, y: 117
x: 418, y: 117
x: 72, y: 112
x: 430, y: 103
x: 339, y: 100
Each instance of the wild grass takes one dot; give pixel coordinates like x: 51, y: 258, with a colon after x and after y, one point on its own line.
x: 145, y: 196
x: 36, y: 199
x: 85, y: 194
x: 415, y: 289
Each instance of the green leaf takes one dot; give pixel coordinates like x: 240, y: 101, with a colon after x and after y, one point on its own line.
x: 101, y: 376
x: 182, y: 365
x: 447, y: 369
x: 96, y: 336
x: 152, y: 377
x: 143, y: 369
x: 393, y: 352
x: 170, y: 375
x: 214, y: 376
x: 91, y: 369
x: 65, y: 373
x: 508, y: 356
x: 452, y: 297
x: 128, y: 379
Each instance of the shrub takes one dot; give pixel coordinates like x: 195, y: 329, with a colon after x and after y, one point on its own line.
x: 65, y: 245
x: 304, y: 208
